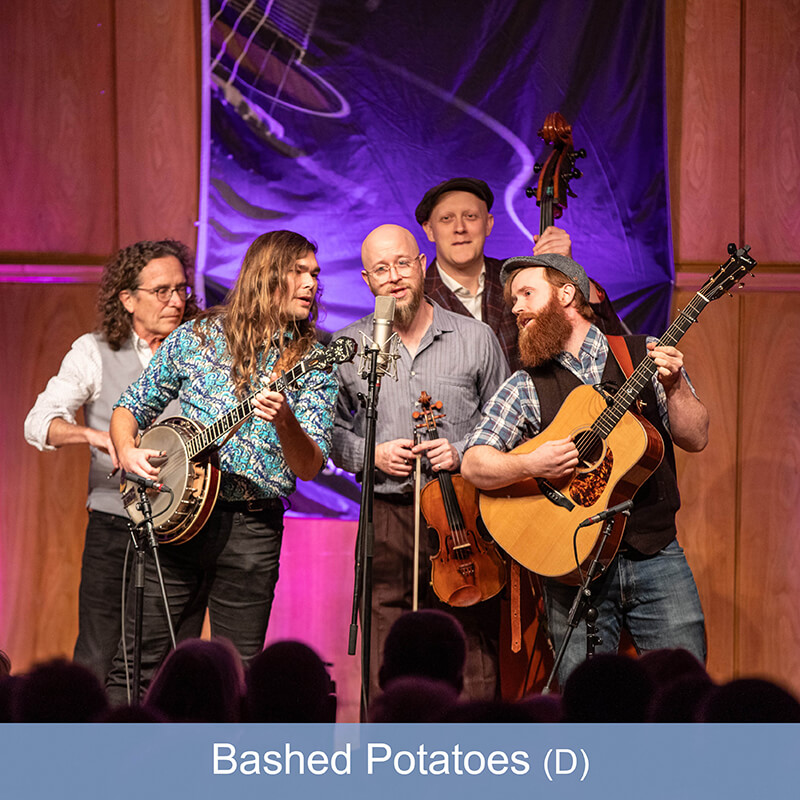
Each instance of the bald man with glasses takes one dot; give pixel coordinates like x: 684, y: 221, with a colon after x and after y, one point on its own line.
x: 456, y: 360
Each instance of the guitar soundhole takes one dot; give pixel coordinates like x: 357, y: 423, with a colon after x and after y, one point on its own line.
x: 590, y: 448
x: 587, y: 487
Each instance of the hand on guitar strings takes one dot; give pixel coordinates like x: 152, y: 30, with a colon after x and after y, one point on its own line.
x: 669, y: 362
x: 552, y: 460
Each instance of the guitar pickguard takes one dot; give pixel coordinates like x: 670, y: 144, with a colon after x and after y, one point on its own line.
x: 587, y: 487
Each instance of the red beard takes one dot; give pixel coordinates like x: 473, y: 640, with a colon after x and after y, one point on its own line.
x: 545, y: 336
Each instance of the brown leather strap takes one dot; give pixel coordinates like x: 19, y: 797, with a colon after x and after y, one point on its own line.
x: 621, y: 353
x: 516, y: 623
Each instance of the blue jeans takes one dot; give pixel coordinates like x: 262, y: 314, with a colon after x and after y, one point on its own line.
x: 654, y: 598
x: 231, y: 567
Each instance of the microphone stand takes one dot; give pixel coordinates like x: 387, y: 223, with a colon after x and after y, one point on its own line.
x: 362, y: 590
x: 582, y: 606
x: 144, y: 539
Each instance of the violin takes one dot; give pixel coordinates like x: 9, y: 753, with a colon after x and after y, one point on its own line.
x: 553, y: 189
x: 467, y: 569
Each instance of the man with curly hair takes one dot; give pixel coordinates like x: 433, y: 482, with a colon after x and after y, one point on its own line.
x: 211, y: 365
x: 145, y: 293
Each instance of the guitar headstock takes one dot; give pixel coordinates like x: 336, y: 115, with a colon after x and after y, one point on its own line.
x: 729, y: 274
x: 337, y: 352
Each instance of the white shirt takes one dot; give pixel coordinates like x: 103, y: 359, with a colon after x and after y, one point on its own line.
x: 472, y: 302
x: 78, y: 382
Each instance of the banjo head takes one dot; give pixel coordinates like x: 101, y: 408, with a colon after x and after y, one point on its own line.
x: 176, y: 471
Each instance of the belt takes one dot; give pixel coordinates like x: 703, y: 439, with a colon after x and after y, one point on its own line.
x: 252, y: 506
x: 398, y: 499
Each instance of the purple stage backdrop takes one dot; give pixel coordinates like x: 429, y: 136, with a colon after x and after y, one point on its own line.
x: 330, y: 117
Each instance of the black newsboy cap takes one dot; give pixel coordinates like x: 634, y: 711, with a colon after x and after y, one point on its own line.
x: 473, y: 185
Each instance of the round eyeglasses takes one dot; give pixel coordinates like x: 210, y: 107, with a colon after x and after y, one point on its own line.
x: 164, y: 293
x: 404, y: 266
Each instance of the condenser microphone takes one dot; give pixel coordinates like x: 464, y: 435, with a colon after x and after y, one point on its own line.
x: 382, y: 339
x: 148, y: 483
x: 608, y: 513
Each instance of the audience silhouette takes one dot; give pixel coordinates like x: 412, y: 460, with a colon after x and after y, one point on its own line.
x: 607, y: 688
x: 421, y: 677
x: 427, y: 643
x: 288, y: 682
x: 199, y: 681
x: 58, y: 691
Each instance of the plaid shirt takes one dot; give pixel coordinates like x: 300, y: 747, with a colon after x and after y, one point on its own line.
x: 496, y: 314
x: 513, y: 414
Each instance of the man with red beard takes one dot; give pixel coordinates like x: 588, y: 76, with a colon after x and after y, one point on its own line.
x: 457, y: 361
x: 648, y: 588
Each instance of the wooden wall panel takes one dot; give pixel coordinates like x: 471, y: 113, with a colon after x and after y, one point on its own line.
x: 772, y: 136
x: 705, y: 197
x: 57, y: 133
x: 768, y: 626
x: 42, y: 495
x: 707, y: 519
x: 158, y: 117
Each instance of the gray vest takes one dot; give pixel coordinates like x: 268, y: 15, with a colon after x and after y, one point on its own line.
x: 120, y: 369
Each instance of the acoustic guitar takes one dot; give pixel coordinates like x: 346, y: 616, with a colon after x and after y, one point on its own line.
x: 190, y: 467
x: 538, y: 522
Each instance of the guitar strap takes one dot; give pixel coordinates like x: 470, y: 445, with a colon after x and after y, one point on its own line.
x: 621, y: 353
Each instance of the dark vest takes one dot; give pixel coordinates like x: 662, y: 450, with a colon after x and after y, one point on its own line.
x: 651, y: 526
x: 120, y: 369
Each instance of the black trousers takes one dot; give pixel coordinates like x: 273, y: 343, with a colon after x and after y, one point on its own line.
x: 100, y: 593
x: 230, y: 567
x: 392, y: 583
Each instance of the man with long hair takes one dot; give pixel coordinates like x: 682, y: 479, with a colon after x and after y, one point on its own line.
x: 145, y: 293
x: 210, y: 365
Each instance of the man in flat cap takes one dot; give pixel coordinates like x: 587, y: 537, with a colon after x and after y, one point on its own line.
x: 648, y: 588
x: 456, y: 216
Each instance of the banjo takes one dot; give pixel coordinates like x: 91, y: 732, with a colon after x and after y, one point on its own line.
x: 189, y: 473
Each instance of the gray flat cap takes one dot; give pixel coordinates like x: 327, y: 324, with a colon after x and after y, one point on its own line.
x: 566, y: 266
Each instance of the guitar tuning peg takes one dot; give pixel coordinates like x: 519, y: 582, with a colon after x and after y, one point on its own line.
x: 537, y: 168
x: 529, y: 191
x: 581, y: 153
x: 576, y: 173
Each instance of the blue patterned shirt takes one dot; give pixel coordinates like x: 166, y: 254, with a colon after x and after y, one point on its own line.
x: 251, y: 461
x: 513, y: 414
